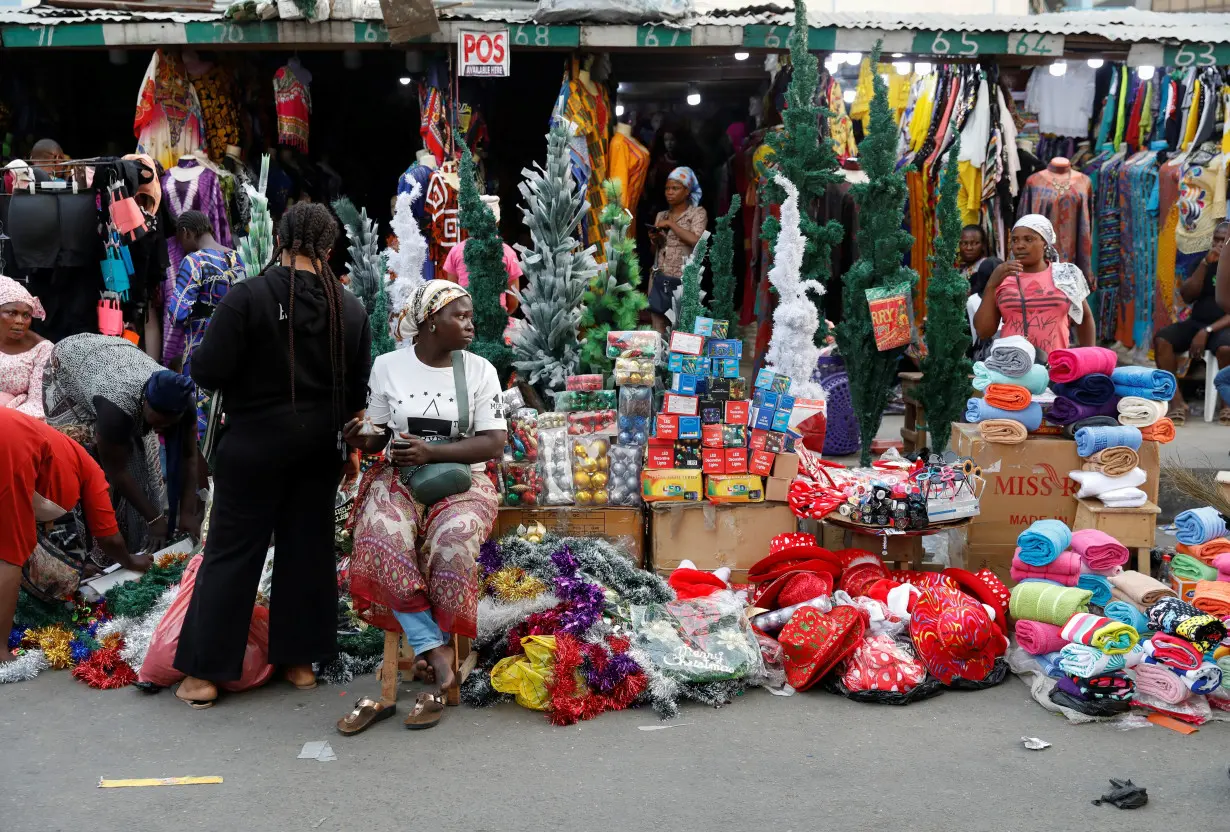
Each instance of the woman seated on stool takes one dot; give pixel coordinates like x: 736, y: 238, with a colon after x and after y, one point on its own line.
x: 413, y: 566
x: 1035, y: 295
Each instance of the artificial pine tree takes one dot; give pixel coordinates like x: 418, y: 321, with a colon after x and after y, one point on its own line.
x: 792, y: 347
x: 807, y: 160
x: 484, y: 257
x: 882, y: 244
x: 689, y: 287
x: 722, y: 262
x: 557, y: 270
x: 256, y: 249
x: 614, y: 300
x: 946, y: 367
x: 406, y: 262
x: 367, y: 271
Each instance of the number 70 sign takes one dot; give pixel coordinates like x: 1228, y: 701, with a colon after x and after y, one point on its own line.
x: 483, y: 54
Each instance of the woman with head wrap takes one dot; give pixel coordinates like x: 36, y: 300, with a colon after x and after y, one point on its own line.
x: 413, y: 565
x: 290, y: 352
x: 674, y: 235
x: 1034, y: 295
x: 22, y: 353
x: 120, y: 401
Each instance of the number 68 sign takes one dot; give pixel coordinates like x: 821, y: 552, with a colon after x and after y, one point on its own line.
x: 483, y: 54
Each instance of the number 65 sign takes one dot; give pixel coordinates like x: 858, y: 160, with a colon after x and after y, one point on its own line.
x: 483, y: 54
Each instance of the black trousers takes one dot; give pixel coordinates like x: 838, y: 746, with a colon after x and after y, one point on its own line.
x: 270, y: 479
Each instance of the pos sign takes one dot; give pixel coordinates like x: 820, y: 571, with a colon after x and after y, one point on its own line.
x: 483, y: 54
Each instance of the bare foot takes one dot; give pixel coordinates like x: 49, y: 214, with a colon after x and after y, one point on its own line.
x: 424, y: 671
x: 301, y: 676
x: 441, y: 661
x: 193, y: 690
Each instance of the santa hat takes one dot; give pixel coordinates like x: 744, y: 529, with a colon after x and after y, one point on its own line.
x: 690, y: 582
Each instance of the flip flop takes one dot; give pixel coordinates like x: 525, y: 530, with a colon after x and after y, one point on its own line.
x: 195, y: 704
x: 300, y: 686
x: 1178, y: 415
x: 427, y: 712
x: 1223, y: 416
x: 366, y: 713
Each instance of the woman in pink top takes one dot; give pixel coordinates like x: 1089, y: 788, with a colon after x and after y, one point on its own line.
x: 455, y: 263
x: 1034, y: 295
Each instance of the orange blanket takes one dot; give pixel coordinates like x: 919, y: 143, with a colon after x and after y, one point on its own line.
x: 1160, y: 431
x: 1205, y: 552
x: 1213, y: 597
x: 1007, y: 396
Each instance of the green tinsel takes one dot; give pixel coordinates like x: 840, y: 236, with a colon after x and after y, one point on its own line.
x: 368, y: 642
x: 722, y: 261
x: 689, y: 302
x: 484, y: 256
x: 807, y: 160
x: 613, y: 300
x: 946, y: 367
x: 33, y: 613
x: 135, y: 598
x: 882, y: 244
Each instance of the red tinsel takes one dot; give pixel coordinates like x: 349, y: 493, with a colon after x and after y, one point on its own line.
x: 105, y: 670
x: 568, y: 704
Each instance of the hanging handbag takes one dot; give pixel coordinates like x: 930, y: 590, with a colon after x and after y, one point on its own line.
x: 435, y: 481
x: 115, y: 272
x: 110, y: 315
x: 215, y: 426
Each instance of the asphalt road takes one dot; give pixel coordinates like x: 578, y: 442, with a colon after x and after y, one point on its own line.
x: 811, y: 761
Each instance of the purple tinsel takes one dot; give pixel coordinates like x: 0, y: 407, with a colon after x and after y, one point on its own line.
x: 15, y: 636
x: 564, y: 561
x: 583, y: 604
x: 617, y: 667
x: 490, y: 557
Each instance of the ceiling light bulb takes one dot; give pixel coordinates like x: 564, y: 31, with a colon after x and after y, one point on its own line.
x: 897, y: 55
x: 922, y: 68
x: 693, y: 95
x: 854, y: 58
x: 849, y: 96
x: 619, y: 110
x: 902, y: 67
x: 404, y: 80
x: 742, y: 56
x: 1144, y: 73
x: 1058, y: 69
x: 1095, y: 63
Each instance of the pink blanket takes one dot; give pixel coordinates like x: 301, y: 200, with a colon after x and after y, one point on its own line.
x: 1068, y: 365
x: 1065, y: 569
x: 1037, y: 638
x: 1098, y: 549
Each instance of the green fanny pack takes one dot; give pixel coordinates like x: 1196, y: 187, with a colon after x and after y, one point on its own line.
x: 435, y: 481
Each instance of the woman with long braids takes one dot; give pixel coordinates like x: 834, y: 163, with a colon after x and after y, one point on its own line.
x: 291, y: 351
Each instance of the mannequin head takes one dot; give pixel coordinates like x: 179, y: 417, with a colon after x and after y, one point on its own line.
x: 492, y: 202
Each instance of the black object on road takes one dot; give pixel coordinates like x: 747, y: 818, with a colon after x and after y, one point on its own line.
x: 1124, y: 795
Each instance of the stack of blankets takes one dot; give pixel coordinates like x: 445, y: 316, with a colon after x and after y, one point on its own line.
x: 1009, y: 380
x: 1181, y: 659
x: 1111, y: 469
x: 1049, y: 552
x: 1144, y: 395
x: 1203, y: 558
x: 1085, y: 392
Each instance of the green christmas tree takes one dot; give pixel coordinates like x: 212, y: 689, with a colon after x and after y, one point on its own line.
x: 256, y: 249
x: 367, y: 271
x: 882, y: 244
x: 557, y: 270
x: 689, y: 287
x: 807, y: 160
x: 484, y: 257
x: 614, y: 300
x: 946, y: 367
x: 722, y: 262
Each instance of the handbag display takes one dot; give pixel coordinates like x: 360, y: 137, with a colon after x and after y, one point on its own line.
x: 437, y: 480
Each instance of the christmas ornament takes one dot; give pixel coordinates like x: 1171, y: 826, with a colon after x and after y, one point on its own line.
x: 406, y: 262
x: 105, y: 670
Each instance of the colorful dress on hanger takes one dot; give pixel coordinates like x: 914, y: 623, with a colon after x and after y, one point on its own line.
x: 591, y: 113
x: 293, y: 102
x: 1110, y: 262
x: 443, y: 220
x: 630, y: 165
x: 216, y: 91
x: 1202, y: 198
x: 1138, y: 243
x: 169, y: 122
x: 434, y: 127
x: 1064, y: 199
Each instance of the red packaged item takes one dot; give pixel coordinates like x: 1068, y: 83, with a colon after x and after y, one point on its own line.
x: 890, y: 319
x: 588, y: 382
x: 758, y: 440
x: 660, y: 456
x: 666, y: 427
x: 711, y: 436
x: 736, y: 460
x: 587, y: 422
x: 713, y: 461
x: 761, y: 463
x: 737, y: 413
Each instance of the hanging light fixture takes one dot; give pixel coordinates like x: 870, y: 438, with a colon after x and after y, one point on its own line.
x: 849, y: 96
x: 1095, y: 63
x: 1144, y: 73
x: 619, y: 110
x: 693, y: 95
x: 742, y: 56
x: 854, y: 58
x: 1058, y: 69
x: 832, y: 63
x: 404, y: 80
x: 902, y: 67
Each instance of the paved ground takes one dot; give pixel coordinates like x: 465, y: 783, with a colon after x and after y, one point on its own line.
x: 763, y: 763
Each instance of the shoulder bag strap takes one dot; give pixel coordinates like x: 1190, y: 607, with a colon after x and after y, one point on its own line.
x: 463, y: 392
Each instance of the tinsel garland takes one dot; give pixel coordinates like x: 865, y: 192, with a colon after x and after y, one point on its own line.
x: 946, y: 367
x: 345, y: 667
x: 614, y: 300
x: 105, y: 670
x: 598, y: 559
x: 32, y: 613
x: 595, y: 664
x: 135, y: 598
x: 722, y: 262
x: 807, y: 160
x: 512, y: 584
x: 484, y: 258
x: 23, y: 668
x: 406, y: 263
x: 689, y: 304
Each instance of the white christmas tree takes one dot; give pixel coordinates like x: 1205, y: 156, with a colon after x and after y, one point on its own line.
x: 792, y: 350
x: 256, y: 249
x: 406, y: 263
x: 557, y: 270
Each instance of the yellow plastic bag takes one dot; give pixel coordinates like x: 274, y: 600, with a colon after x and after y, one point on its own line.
x: 526, y: 676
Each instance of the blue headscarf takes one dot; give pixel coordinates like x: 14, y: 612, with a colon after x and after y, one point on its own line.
x: 687, y: 177
x: 173, y: 394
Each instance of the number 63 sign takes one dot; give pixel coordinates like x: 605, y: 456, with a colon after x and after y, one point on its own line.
x: 483, y: 54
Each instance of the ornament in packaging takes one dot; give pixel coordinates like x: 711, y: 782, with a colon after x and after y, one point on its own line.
x: 588, y: 382
x: 553, y: 419
x: 571, y: 401
x: 638, y: 372
x: 624, y: 485
x: 521, y: 483
x: 588, y: 422
x: 636, y: 401
x: 890, y: 318
x: 591, y: 466
x: 523, y: 435
x: 639, y: 343
x: 633, y: 430
x: 555, y: 462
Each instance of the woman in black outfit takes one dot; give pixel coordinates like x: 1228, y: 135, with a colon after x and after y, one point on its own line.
x: 291, y: 351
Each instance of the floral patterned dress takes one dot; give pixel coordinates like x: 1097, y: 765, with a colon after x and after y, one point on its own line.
x: 21, y: 379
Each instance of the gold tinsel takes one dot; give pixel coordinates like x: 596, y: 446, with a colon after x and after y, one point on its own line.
x: 512, y: 584
x: 163, y: 561
x: 48, y: 639
x: 112, y: 640
x: 59, y: 656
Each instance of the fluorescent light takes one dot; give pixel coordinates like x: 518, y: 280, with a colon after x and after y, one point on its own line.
x: 693, y: 95
x: 854, y: 58
x: 404, y: 80
x: 849, y: 96
x: 1095, y: 63
x: 619, y: 110
x: 742, y: 56
x: 1144, y: 73
x: 902, y: 67
x: 1058, y: 69
x: 922, y: 68
x: 897, y: 55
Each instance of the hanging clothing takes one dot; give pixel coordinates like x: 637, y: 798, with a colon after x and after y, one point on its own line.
x: 1202, y: 198
x: 591, y: 113
x: 169, y: 122
x: 1138, y: 244
x: 1063, y: 104
x: 434, y: 127
x: 216, y: 92
x: 630, y: 165
x: 444, y: 222
x: 293, y: 103
x: 1110, y: 263
x: 1065, y: 199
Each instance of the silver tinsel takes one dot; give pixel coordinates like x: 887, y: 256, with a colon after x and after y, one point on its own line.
x: 345, y: 667
x: 23, y: 668
x: 495, y: 619
x: 139, y: 632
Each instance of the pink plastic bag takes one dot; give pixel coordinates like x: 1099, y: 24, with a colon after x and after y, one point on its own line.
x: 158, y: 666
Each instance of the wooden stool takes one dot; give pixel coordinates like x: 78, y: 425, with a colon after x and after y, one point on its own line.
x: 398, y: 656
x: 1134, y: 528
x: 914, y: 431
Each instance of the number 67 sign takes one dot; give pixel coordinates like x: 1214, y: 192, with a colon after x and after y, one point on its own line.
x: 483, y: 54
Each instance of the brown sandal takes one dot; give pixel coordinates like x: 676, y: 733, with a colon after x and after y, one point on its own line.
x: 1178, y: 415
x: 366, y: 713
x: 1223, y: 417
x: 297, y: 675
x: 195, y: 704
x: 427, y: 712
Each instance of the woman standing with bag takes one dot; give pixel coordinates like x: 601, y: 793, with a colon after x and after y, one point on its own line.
x: 424, y: 512
x: 291, y: 351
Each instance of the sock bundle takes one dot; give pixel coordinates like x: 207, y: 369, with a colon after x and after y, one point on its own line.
x: 1098, y: 550
x: 1091, y: 440
x: 1199, y: 525
x: 1034, y: 380
x: 1043, y: 542
x: 1071, y: 364
x: 1095, y: 389
x: 1011, y: 356
x: 1144, y: 382
x: 1133, y: 410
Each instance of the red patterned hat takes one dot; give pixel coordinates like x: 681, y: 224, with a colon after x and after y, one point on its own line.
x: 988, y: 589
x: 814, y: 642
x: 857, y: 579
x: 954, y: 635
x: 795, y: 551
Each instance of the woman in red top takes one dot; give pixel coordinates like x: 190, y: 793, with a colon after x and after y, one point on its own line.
x: 43, y: 475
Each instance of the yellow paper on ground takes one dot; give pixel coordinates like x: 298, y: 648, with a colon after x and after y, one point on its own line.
x: 103, y: 783
x: 525, y: 676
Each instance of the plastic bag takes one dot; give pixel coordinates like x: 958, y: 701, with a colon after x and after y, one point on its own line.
x: 881, y: 664
x: 611, y: 11
x: 624, y: 485
x: 158, y: 667
x: 554, y: 453
x: 699, y: 640
x: 525, y: 676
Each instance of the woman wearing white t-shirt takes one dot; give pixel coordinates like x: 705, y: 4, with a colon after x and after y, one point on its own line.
x: 413, y: 565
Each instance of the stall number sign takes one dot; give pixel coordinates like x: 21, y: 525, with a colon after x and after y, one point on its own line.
x: 483, y: 54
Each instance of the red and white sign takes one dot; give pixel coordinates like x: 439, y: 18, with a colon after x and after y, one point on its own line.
x: 483, y: 54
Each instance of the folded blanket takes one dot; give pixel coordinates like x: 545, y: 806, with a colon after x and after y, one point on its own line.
x: 1199, y: 525
x: 1098, y: 550
x: 1139, y: 589
x: 1103, y: 633
x: 1223, y: 663
x: 1092, y: 389
x: 1098, y: 585
x: 1085, y: 661
x: 1162, y: 683
x: 1073, y: 688
x: 1145, y: 382
x: 1050, y: 604
x: 1188, y: 568
x: 1091, y: 440
x: 977, y: 410
x: 1113, y: 462
x: 1128, y: 614
x: 1133, y: 410
x: 1115, y: 686
x: 1063, y: 570
x: 1207, y: 552
x: 1043, y: 542
x: 1203, y: 680
x: 1034, y: 381
x: 1037, y: 637
x: 1093, y: 484
x: 1049, y: 662
x: 1123, y: 498
x: 1221, y: 563
x: 1175, y: 617
x: 1003, y: 431
x: 1160, y: 431
x: 1012, y: 356
x: 1065, y: 411
x: 1007, y: 396
x: 1069, y: 431
x: 1070, y: 364
x: 1212, y: 596
x: 1172, y: 651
